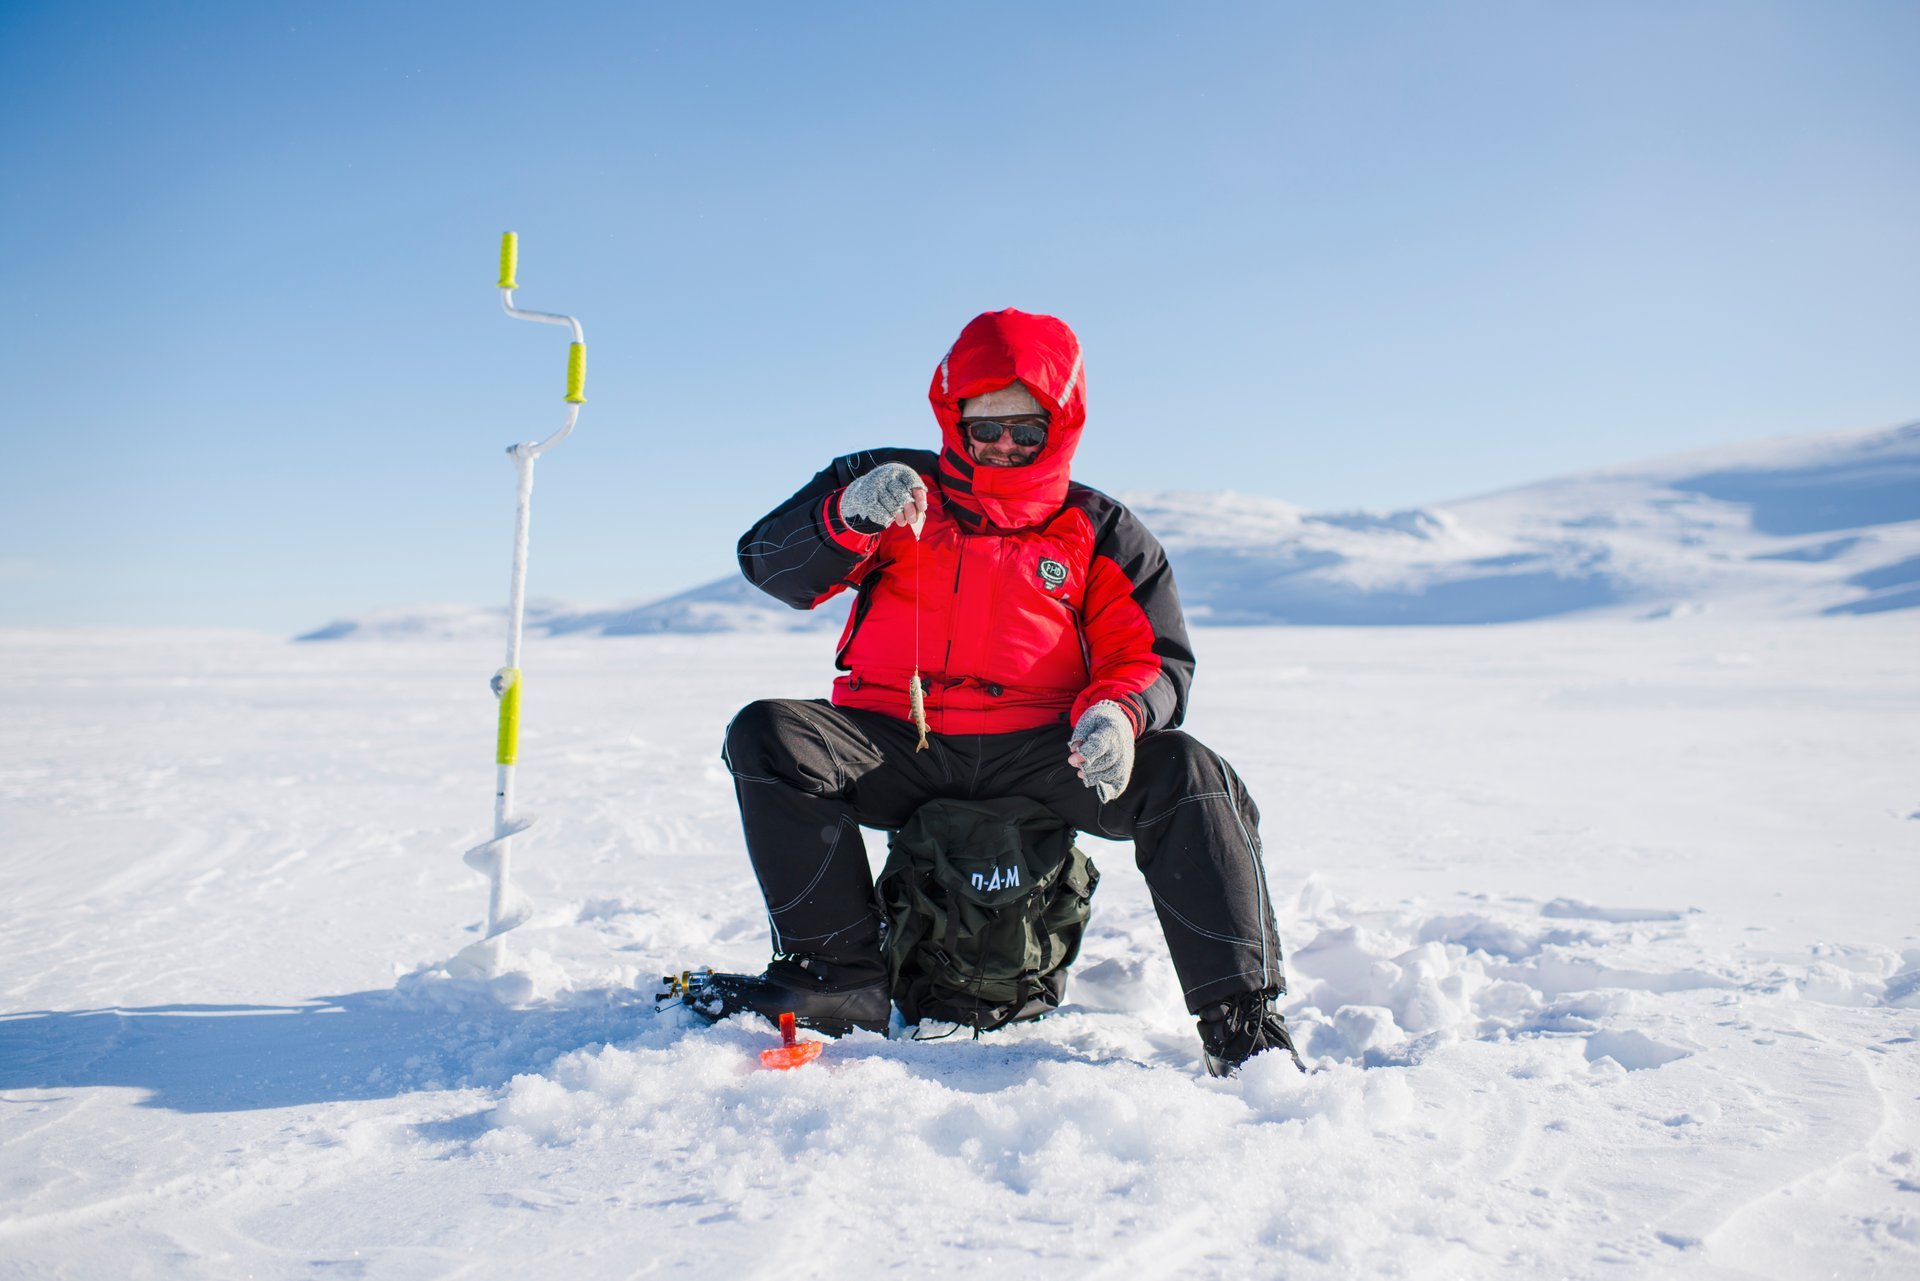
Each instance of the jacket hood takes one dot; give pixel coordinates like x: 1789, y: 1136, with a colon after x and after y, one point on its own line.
x: 997, y: 348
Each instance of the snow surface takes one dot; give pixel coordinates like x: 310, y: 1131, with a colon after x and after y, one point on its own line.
x: 1810, y: 525
x: 1602, y: 937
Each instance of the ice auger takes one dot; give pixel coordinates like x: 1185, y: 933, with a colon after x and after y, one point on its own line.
x: 506, y: 906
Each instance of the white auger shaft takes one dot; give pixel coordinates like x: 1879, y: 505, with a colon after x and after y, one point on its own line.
x: 506, y: 907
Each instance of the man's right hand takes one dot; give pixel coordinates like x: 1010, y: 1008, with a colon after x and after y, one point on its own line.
x: 890, y: 494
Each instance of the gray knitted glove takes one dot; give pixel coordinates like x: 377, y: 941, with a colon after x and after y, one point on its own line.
x: 874, y: 501
x: 1104, y: 741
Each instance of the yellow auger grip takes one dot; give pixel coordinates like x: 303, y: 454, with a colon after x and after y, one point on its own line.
x: 577, y: 374
x: 507, y: 683
x: 509, y: 260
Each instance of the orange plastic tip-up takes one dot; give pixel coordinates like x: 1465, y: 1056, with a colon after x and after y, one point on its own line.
x: 791, y: 1052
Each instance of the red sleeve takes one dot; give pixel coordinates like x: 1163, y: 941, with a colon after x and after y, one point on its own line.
x: 1136, y: 636
x: 1119, y: 643
x: 842, y: 533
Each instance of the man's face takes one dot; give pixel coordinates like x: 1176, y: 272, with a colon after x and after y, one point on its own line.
x: 1010, y: 416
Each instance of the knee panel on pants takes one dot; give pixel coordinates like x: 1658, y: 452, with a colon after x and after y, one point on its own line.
x: 760, y: 739
x: 1172, y: 763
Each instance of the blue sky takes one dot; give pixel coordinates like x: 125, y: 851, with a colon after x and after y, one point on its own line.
x: 253, y: 371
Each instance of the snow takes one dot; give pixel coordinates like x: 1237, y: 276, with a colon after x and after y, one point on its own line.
x: 1601, y: 938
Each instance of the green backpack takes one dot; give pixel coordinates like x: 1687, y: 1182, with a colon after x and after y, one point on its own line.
x: 985, y: 905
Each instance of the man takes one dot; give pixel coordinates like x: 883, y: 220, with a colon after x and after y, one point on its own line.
x: 1042, y: 621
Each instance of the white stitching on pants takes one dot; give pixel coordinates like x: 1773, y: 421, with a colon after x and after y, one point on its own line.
x: 838, y: 829
x: 726, y: 756
x: 1018, y: 756
x: 1168, y: 813
x: 1265, y: 906
x: 1222, y: 938
x: 839, y: 772
x: 726, y: 743
x: 832, y: 933
x: 1262, y: 972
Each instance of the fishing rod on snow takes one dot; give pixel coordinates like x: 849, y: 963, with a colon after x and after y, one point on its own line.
x: 506, y: 906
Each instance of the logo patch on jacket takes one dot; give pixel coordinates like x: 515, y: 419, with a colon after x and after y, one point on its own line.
x: 1052, y: 575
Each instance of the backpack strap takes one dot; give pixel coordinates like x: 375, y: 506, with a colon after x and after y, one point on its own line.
x: 1036, y: 912
x: 953, y: 931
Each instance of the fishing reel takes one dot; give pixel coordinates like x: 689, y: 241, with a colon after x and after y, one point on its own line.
x: 681, y: 988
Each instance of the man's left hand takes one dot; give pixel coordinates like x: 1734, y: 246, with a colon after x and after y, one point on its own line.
x: 1101, y: 749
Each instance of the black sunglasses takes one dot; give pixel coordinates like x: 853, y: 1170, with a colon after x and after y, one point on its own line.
x: 1029, y: 431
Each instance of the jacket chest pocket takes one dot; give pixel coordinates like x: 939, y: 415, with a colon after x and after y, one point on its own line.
x: 1051, y: 573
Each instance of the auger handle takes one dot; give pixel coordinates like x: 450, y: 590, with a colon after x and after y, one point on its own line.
x: 577, y: 374
x: 577, y: 353
x: 509, y: 260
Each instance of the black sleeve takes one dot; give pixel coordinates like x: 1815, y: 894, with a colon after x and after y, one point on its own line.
x: 1136, y: 632
x: 802, y: 552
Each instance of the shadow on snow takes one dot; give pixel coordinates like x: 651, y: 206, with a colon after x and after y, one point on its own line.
x: 201, y: 1058
x: 363, y: 1045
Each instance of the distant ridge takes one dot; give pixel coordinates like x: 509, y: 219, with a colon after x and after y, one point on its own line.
x: 1801, y: 527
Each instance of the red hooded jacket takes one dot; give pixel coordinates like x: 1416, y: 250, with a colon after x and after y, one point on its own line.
x: 1026, y: 598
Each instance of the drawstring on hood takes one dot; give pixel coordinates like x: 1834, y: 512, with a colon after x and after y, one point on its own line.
x: 995, y: 349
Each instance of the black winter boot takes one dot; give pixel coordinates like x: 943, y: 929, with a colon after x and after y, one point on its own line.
x: 1235, y: 1030
x: 834, y: 1005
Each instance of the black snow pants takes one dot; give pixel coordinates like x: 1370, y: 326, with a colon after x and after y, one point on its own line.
x: 809, y: 774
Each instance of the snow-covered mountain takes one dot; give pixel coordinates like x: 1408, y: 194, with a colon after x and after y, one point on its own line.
x: 724, y: 605
x: 1826, y: 524
x: 1812, y: 525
